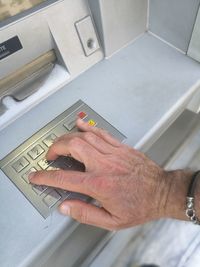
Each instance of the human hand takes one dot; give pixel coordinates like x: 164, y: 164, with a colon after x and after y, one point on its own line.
x: 129, y: 186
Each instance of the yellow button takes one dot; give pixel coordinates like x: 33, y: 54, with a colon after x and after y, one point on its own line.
x: 92, y: 122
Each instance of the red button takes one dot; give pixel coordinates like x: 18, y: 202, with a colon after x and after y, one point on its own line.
x: 82, y: 115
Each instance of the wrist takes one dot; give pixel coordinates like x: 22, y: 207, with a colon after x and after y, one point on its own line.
x: 177, y: 184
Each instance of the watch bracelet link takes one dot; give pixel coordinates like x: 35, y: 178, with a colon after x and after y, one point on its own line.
x: 190, y: 200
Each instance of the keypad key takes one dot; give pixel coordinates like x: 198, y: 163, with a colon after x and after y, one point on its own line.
x: 52, y: 198
x: 69, y: 125
x: 48, y: 141
x: 36, y: 151
x: 92, y: 123
x: 39, y: 189
x: 82, y: 115
x: 25, y: 176
x: 20, y: 164
x: 44, y: 164
x: 63, y: 192
x: 52, y: 168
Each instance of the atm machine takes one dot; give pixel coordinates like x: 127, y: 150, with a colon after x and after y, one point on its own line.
x: 129, y: 66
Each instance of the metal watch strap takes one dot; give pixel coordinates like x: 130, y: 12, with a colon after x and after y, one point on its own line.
x: 190, y: 200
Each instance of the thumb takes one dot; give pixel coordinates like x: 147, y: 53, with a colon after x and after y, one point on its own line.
x: 88, y: 214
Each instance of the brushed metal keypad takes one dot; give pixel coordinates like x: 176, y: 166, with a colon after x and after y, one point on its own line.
x: 30, y: 157
x: 20, y: 164
x: 25, y: 176
x: 48, y: 141
x: 52, y: 198
x: 39, y: 189
x: 44, y: 164
x: 35, y: 152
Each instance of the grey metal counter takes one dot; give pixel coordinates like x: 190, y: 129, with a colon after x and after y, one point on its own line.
x: 133, y: 90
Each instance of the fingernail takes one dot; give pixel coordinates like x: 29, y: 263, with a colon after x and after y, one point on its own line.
x: 65, y: 209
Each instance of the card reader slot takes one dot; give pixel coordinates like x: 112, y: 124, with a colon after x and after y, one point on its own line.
x: 2, y: 108
x: 24, y: 81
x: 31, y: 84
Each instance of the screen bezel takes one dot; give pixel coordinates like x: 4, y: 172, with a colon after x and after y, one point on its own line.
x: 27, y: 12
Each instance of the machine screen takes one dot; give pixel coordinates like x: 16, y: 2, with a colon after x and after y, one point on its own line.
x: 9, y: 8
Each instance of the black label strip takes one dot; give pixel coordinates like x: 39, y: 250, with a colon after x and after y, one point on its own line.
x: 9, y: 47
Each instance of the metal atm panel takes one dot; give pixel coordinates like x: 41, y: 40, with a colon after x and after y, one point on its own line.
x: 110, y: 55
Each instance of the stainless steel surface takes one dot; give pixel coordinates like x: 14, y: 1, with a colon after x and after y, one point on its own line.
x: 154, y: 86
x: 34, y: 34
x: 76, y: 248
x: 194, y: 46
x: 119, y: 22
x: 173, y: 20
x: 51, y: 27
x: 41, y: 30
x: 173, y: 138
x: 194, y: 104
x: 179, y: 145
x: 30, y: 156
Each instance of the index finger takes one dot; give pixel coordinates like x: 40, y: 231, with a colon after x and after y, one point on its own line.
x: 79, y: 182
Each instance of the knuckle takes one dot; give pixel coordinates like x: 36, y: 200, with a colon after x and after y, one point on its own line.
x: 59, y: 177
x: 88, y: 135
x: 82, y: 216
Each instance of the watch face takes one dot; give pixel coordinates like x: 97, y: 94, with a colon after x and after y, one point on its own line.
x: 9, y: 8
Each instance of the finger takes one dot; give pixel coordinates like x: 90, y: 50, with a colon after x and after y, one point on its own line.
x: 67, y: 180
x: 67, y: 136
x: 93, y: 139
x: 84, y: 126
x: 87, y: 214
x: 76, y: 147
